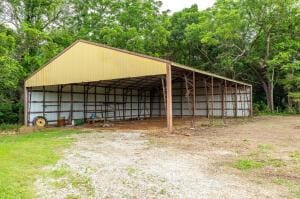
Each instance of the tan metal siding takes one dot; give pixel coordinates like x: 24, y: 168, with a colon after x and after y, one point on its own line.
x: 85, y: 62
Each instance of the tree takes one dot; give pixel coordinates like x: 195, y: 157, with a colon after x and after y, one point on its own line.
x: 246, y: 37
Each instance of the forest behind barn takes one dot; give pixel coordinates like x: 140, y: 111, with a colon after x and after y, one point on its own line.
x: 256, y: 41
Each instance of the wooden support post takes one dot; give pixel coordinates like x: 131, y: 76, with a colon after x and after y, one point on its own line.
x: 84, y: 103
x: 222, y: 98
x: 169, y: 98
x: 59, y: 90
x: 181, y: 99
x: 26, y: 115
x: 131, y: 104
x: 236, y: 101
x: 44, y: 98
x: 244, y: 100
x: 164, y: 94
x: 251, y: 102
x: 159, y: 102
x: 95, y: 101
x: 212, y: 97
x: 115, y: 105
x: 145, y: 97
x: 225, y: 101
x: 29, y: 103
x: 124, y: 103
x: 206, y: 96
x: 72, y: 104
x: 138, y: 104
x: 194, y: 99
x: 105, y: 103
x: 151, y: 102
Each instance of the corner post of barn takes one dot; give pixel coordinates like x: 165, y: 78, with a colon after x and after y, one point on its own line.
x: 169, y: 98
x: 25, y: 106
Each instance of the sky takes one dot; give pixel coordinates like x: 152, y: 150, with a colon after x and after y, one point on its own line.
x: 177, y: 5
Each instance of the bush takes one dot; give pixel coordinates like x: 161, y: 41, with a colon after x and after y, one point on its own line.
x: 9, y: 112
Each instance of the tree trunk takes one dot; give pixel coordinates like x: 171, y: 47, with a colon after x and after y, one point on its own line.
x: 269, y: 91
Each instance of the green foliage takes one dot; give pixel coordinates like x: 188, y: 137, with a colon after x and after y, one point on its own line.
x: 23, y: 156
x: 250, y: 40
x: 9, y: 127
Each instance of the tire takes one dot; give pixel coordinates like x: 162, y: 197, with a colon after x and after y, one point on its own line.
x: 40, y: 121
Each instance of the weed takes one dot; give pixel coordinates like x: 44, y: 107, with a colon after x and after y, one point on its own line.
x: 131, y: 171
x: 295, y: 155
x: 265, y: 148
x: 60, y: 172
x: 247, y: 164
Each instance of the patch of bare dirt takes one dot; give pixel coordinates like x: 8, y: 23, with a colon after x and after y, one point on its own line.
x: 142, y: 165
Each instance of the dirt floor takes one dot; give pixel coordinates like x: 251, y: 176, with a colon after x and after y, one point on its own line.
x: 248, y: 158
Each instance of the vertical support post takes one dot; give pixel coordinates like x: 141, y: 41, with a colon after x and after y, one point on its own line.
x: 145, y: 97
x: 26, y: 115
x: 72, y: 104
x: 84, y: 103
x: 212, y: 97
x: 225, y: 101
x: 159, y: 103
x: 164, y: 94
x: 44, y: 107
x: 105, y: 103
x: 222, y: 98
x: 124, y: 103
x: 138, y: 104
x: 151, y: 102
x: 169, y: 98
x: 194, y: 98
x: 236, y: 101
x: 244, y: 100
x: 58, y: 101
x: 251, y: 102
x: 181, y: 99
x: 131, y: 104
x: 95, y: 100
x: 207, y: 101
x: 115, y: 105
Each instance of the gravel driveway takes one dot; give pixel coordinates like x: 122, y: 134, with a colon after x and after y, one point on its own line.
x: 129, y: 165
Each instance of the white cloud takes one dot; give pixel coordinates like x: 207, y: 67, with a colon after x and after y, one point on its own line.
x: 177, y: 5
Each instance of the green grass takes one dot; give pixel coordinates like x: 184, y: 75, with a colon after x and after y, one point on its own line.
x: 295, y: 155
x: 9, y: 127
x: 23, y: 156
x: 265, y: 148
x: 247, y: 164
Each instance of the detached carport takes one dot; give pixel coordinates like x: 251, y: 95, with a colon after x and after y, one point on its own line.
x: 92, y: 80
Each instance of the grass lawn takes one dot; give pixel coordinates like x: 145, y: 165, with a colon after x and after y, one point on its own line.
x: 23, y: 156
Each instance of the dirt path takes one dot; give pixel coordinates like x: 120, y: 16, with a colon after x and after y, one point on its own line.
x: 129, y: 165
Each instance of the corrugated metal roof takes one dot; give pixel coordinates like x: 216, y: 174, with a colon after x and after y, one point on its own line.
x: 86, y: 61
